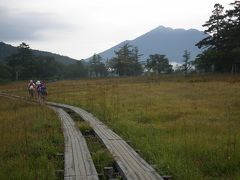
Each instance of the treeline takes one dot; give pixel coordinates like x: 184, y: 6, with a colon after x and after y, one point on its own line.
x: 25, y: 65
x: 222, y: 45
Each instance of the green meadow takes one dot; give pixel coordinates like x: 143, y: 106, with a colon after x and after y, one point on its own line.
x: 186, y: 127
x: 30, y: 138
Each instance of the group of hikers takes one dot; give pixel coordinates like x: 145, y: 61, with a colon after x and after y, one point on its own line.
x: 37, y: 90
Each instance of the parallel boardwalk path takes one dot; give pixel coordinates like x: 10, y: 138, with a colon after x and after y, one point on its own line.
x: 78, y: 164
x: 130, y: 164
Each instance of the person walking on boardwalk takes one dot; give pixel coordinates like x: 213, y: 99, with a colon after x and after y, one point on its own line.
x: 38, y: 89
x: 42, y: 91
x: 31, y: 88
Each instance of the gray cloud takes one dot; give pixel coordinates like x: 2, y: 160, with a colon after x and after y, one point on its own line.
x: 16, y: 26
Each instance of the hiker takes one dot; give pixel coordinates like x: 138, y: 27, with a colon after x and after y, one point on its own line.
x: 38, y: 89
x: 42, y: 92
x: 31, y: 88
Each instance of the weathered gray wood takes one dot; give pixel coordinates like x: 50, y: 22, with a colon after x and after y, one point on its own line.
x: 78, y: 163
x: 130, y: 164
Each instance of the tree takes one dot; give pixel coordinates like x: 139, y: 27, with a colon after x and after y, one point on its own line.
x: 215, y: 26
x: 121, y: 63
x: 223, y: 43
x: 102, y: 70
x: 47, y: 67
x: 236, y: 60
x: 136, y: 65
x: 22, y: 63
x: 158, y: 63
x: 233, y: 26
x: 187, y: 64
x: 97, y: 67
x: 76, y: 70
x: 205, y: 61
x: 126, y: 62
x: 5, y: 72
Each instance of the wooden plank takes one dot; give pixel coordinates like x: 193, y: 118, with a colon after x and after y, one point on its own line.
x: 77, y: 154
x: 78, y: 161
x: 129, y: 171
x: 132, y: 160
x: 108, y: 133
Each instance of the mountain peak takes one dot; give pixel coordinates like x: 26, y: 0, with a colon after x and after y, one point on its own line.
x: 172, y: 29
x: 163, y: 40
x: 163, y: 28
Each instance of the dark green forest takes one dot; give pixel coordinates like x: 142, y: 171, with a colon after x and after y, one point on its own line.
x: 221, y: 54
x: 7, y: 50
x: 24, y: 64
x: 222, y: 45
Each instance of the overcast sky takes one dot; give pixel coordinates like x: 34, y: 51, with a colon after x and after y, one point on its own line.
x: 79, y: 28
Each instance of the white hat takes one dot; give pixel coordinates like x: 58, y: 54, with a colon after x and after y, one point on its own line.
x: 38, y: 82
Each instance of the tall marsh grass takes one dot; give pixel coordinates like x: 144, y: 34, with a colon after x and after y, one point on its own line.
x: 30, y: 137
x: 188, y: 127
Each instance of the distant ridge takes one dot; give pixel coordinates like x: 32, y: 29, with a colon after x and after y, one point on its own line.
x: 7, y: 50
x: 163, y: 40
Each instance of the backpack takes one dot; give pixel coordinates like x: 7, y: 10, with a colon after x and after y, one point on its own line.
x: 31, y: 87
x: 43, y: 90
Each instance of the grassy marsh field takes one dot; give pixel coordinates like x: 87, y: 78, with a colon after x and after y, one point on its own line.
x: 187, y: 127
x: 30, y: 137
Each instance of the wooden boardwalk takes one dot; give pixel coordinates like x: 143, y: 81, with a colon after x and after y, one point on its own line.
x: 130, y: 164
x: 78, y: 164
